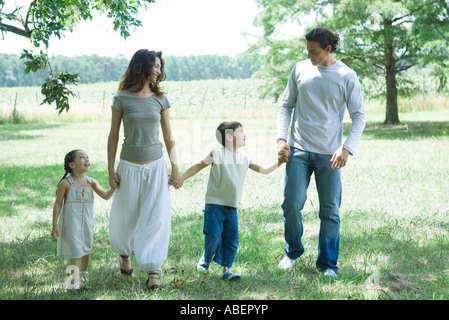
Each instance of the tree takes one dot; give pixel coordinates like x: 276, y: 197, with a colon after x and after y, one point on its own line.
x: 384, y: 37
x: 41, y: 19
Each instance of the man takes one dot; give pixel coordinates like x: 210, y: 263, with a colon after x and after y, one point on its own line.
x: 318, y: 92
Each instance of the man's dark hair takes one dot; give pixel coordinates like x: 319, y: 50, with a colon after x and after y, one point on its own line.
x: 325, y: 37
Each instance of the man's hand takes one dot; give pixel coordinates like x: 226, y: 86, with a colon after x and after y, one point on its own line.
x: 339, y: 158
x: 283, y: 151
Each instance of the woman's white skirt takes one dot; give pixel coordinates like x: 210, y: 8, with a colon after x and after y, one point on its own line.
x: 140, y: 218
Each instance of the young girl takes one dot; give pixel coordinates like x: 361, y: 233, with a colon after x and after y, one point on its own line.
x: 74, y: 208
x: 224, y: 189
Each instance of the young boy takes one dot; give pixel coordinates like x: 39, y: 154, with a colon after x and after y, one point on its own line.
x: 223, y: 195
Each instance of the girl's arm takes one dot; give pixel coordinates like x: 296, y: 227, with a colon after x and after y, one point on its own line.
x: 265, y: 170
x: 113, y: 137
x: 106, y: 195
x: 193, y: 170
x: 63, y: 187
x: 175, y: 177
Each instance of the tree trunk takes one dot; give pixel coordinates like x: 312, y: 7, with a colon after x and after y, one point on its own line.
x: 392, y: 112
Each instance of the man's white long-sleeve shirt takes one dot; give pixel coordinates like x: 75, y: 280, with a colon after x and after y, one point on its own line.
x: 318, y: 97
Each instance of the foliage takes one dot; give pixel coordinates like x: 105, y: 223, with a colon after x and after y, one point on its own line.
x: 377, y: 37
x: 275, y: 63
x: 94, y: 68
x: 34, y: 62
x: 54, y: 89
x: 45, y: 18
x: 205, y: 67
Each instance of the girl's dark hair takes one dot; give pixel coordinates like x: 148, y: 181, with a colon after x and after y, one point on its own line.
x: 325, y: 37
x: 223, y: 128
x: 69, y: 157
x: 139, y: 69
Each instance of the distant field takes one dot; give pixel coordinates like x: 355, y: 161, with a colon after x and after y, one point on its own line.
x: 237, y: 99
x: 219, y: 98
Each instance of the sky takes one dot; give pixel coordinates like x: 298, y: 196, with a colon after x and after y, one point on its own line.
x: 175, y: 27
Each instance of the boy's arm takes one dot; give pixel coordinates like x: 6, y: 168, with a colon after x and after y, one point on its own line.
x: 106, y: 195
x: 265, y: 170
x: 193, y: 170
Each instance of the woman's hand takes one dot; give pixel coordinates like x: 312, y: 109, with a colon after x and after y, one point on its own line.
x: 114, y: 180
x: 175, y: 179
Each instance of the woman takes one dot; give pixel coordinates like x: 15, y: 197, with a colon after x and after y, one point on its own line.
x: 141, y: 210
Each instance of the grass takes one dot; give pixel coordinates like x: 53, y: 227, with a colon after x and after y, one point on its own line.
x: 394, y: 225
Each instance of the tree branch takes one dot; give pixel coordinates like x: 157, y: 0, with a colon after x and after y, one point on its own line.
x: 25, y: 24
x: 411, y: 13
x: 20, y: 32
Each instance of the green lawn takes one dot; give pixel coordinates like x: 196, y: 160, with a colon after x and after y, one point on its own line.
x: 394, y: 214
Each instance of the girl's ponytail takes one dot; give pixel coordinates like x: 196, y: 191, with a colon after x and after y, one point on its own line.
x: 69, y: 157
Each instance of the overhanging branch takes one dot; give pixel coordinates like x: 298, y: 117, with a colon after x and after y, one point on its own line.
x: 18, y: 31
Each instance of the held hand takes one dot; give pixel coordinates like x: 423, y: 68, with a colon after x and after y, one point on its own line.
x: 114, y: 180
x: 283, y: 151
x: 175, y: 179
x: 55, y: 233
x: 339, y: 158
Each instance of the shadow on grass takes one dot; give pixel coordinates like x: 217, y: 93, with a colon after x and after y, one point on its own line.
x: 34, y: 187
x: 19, y: 131
x: 408, y: 264
x: 379, y: 262
x: 395, y: 257
x: 406, y: 131
x: 31, y: 270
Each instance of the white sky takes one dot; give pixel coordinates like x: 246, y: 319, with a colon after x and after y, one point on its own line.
x: 176, y: 27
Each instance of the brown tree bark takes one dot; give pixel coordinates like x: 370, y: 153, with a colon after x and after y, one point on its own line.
x: 392, y: 111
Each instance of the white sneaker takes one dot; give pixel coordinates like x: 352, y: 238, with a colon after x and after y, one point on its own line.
x: 330, y: 273
x: 286, y: 263
x: 202, y: 265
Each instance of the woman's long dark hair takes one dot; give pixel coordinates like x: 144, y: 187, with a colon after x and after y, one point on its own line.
x: 139, y: 69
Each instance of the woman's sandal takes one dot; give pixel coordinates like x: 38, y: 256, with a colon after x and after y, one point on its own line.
x: 128, y: 272
x: 153, y: 281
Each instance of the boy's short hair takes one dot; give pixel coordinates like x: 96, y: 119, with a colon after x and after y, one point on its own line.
x: 226, y: 127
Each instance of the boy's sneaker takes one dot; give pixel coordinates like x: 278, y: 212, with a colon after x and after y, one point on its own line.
x: 330, y: 273
x: 286, y: 263
x: 229, y: 275
x: 202, y: 265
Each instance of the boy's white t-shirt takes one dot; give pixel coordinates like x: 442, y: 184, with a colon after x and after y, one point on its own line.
x: 226, y: 178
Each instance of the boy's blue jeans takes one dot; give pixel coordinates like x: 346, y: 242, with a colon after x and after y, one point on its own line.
x: 299, y: 169
x: 221, y: 234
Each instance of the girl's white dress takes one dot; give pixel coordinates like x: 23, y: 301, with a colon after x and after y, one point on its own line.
x: 76, y: 222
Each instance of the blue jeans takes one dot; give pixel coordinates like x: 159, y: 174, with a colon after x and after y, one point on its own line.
x: 299, y: 169
x: 221, y: 234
